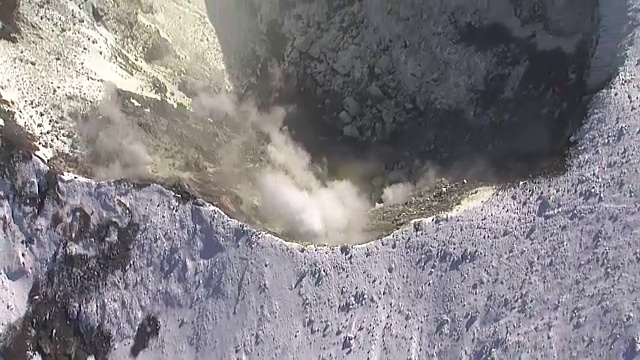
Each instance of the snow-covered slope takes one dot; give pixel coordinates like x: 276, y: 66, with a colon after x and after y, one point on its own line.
x: 548, y: 269
x: 69, y: 49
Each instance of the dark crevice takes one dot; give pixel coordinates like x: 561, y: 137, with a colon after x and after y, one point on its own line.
x: 148, y: 329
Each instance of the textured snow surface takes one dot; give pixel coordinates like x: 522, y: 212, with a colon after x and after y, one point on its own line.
x: 545, y: 270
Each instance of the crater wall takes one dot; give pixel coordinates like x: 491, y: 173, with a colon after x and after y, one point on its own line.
x: 438, y: 78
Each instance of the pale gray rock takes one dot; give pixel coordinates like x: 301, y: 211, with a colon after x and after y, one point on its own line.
x: 345, y: 117
x: 351, y: 131
x: 351, y: 105
x: 375, y: 91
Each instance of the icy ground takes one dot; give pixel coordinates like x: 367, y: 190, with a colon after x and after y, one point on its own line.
x: 545, y: 270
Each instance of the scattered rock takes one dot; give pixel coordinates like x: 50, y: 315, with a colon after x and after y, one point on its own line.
x: 351, y: 106
x: 351, y: 131
x: 148, y: 329
x: 347, y: 343
x: 303, y: 43
x: 375, y: 91
x: 383, y: 64
x: 345, y: 117
x: 159, y: 48
x: 344, y: 63
x: 387, y: 117
x: 545, y: 206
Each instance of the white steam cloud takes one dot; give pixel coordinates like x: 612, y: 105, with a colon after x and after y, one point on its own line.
x: 114, y: 151
x: 291, y: 198
x: 284, y: 190
x: 397, y: 193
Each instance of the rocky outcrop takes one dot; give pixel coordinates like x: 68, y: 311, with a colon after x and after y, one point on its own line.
x: 438, y: 77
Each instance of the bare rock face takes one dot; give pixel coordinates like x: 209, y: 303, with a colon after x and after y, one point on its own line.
x: 8, y: 10
x: 402, y: 69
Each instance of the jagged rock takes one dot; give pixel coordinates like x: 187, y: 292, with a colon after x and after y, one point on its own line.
x: 351, y: 106
x: 204, y: 273
x: 345, y: 117
x: 158, y: 48
x: 351, y: 131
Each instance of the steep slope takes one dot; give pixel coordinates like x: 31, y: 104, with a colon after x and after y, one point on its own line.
x: 434, y: 80
x: 547, y: 269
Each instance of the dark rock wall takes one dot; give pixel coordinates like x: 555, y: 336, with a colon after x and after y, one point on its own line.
x: 439, y: 79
